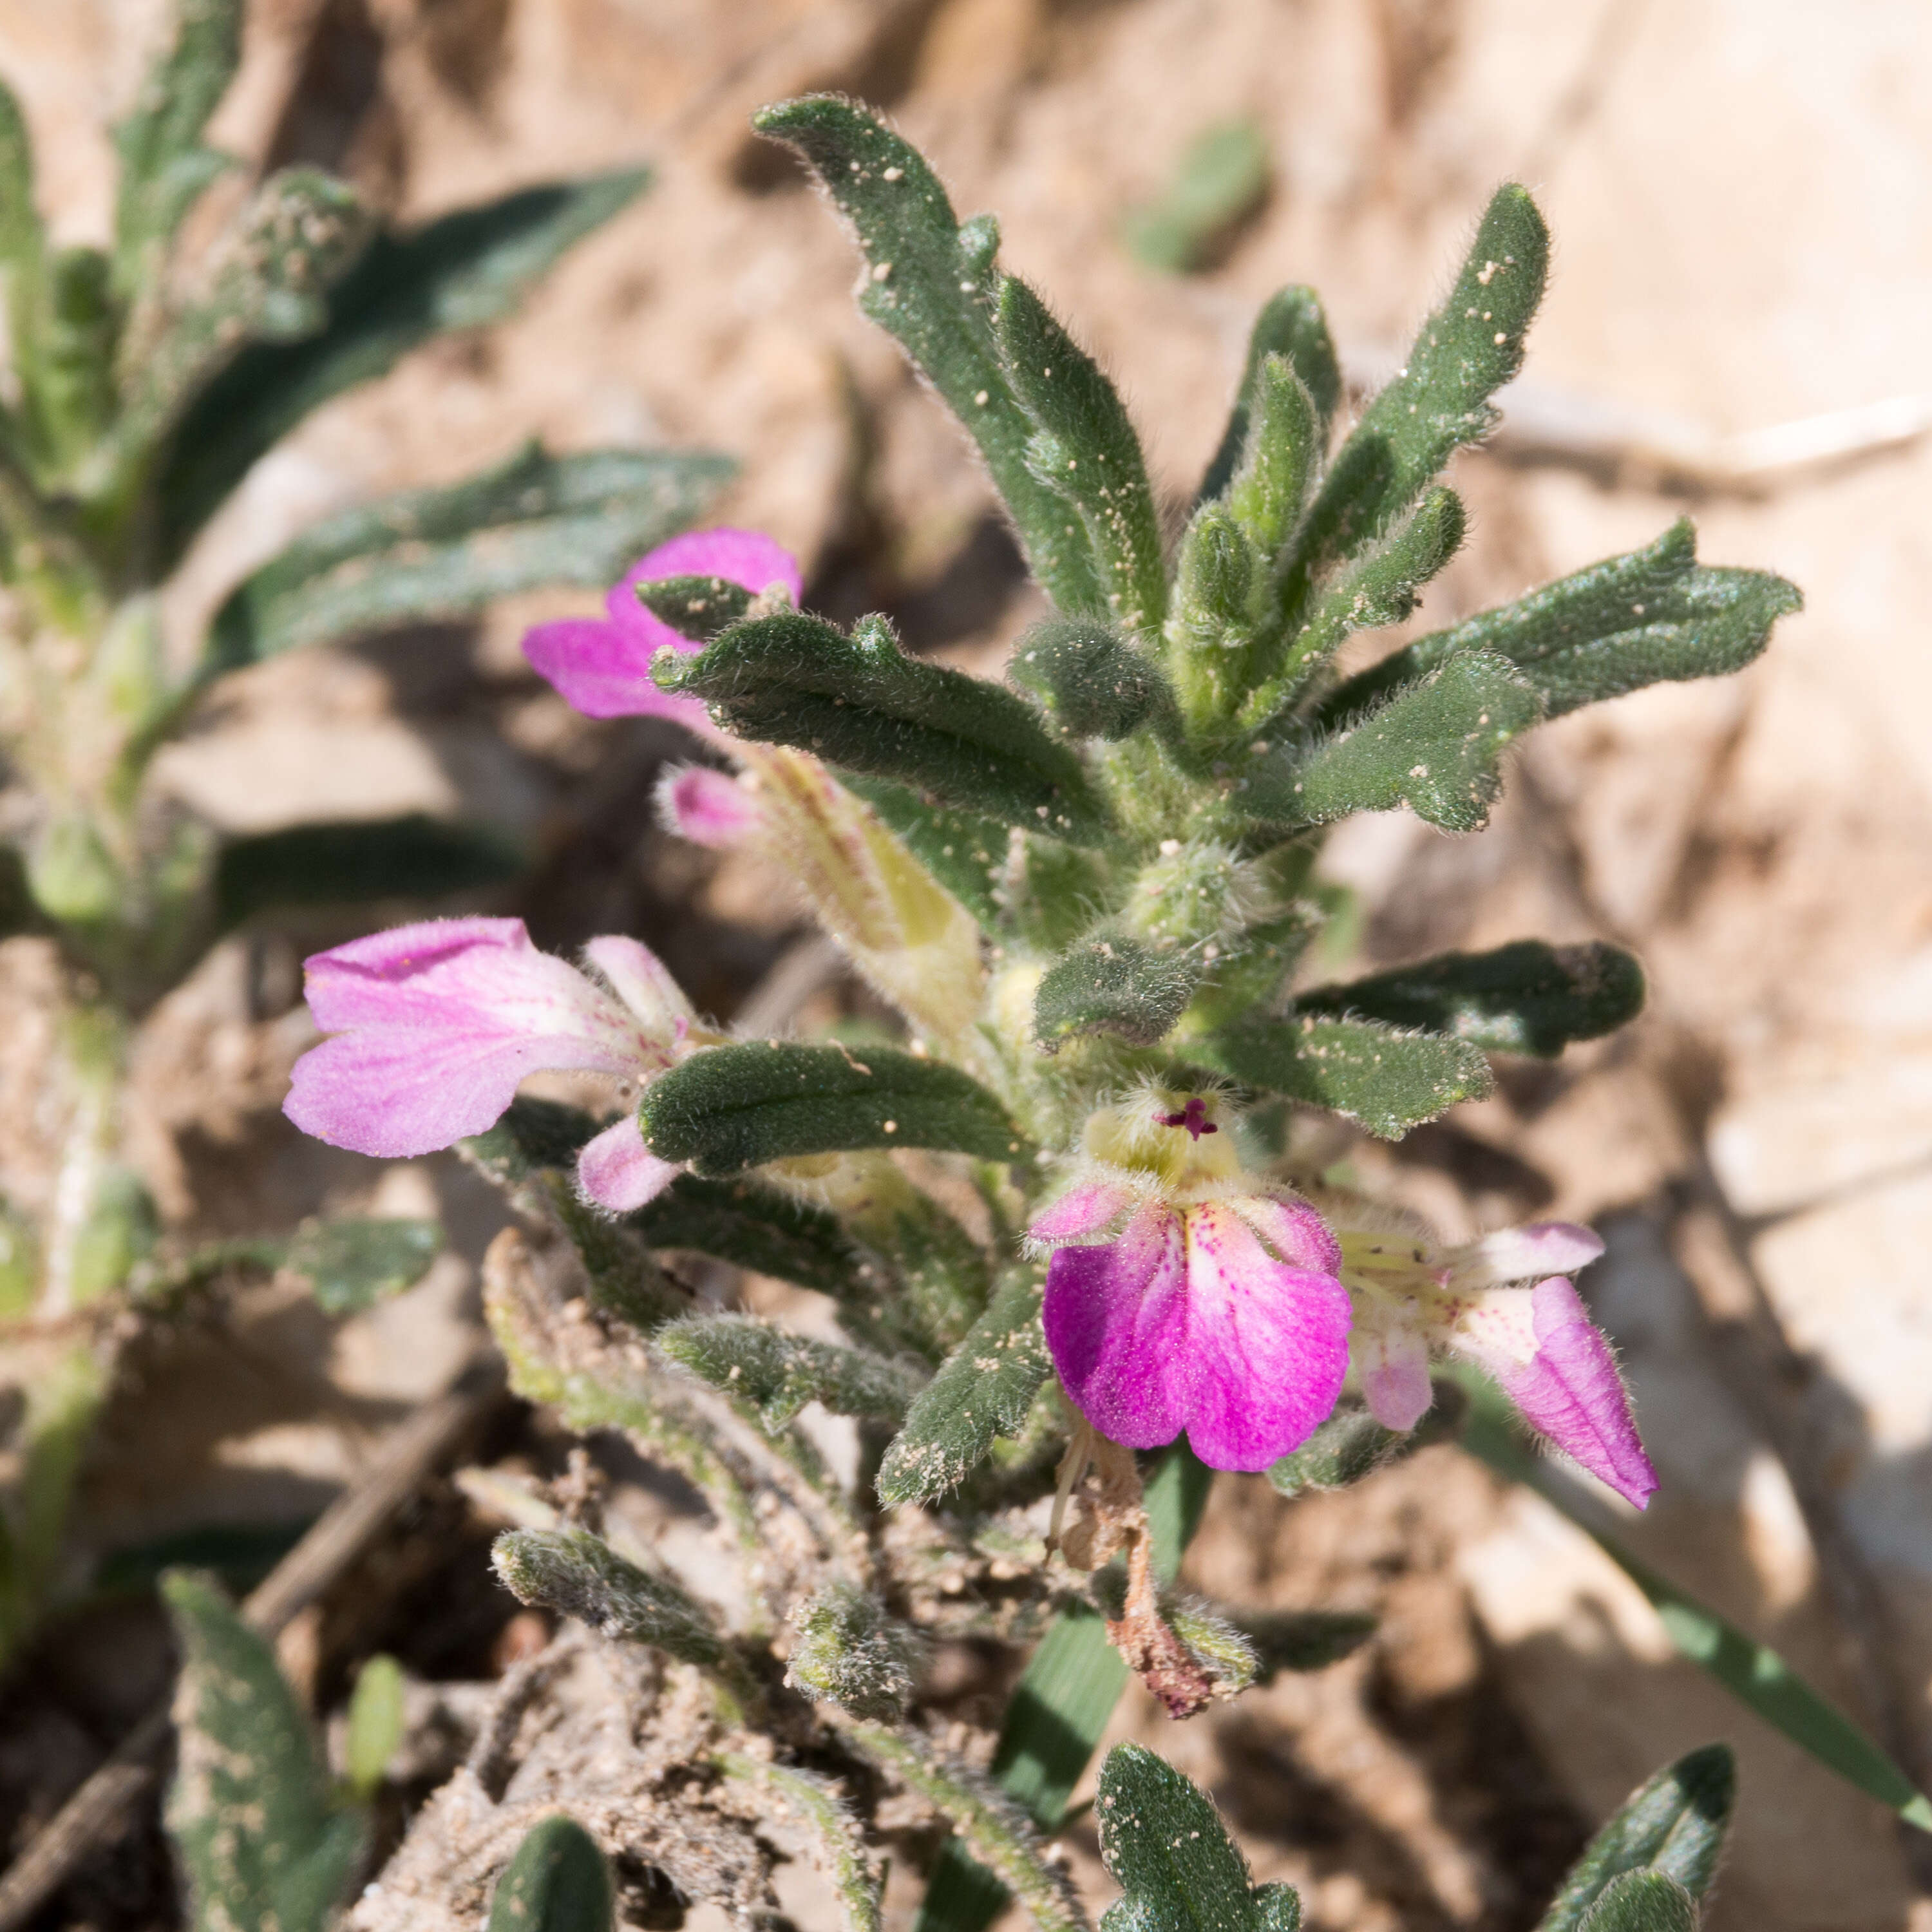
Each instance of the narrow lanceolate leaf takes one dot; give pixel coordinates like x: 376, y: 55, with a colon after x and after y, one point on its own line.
x: 847, y: 1864
x: 164, y: 166
x: 249, y: 1810
x: 423, y: 555
x: 1095, y: 683
x: 580, y: 1576
x: 1111, y: 983
x: 963, y: 850
x: 22, y: 237
x: 1285, y: 436
x: 353, y: 1263
x: 851, y: 1652
x: 556, y: 1881
x: 757, y: 1228
x: 355, y: 861
x: 1387, y: 1080
x: 1165, y: 1845
x: 1352, y: 1444
x: 464, y: 270
x: 1525, y: 997
x: 1085, y: 448
x: 1673, y: 1825
x: 983, y: 1389
x: 931, y: 283
x: 1382, y: 586
x: 1652, y: 616
x: 778, y: 1373
x: 1643, y: 1902
x: 1434, y: 747
x: 696, y: 607
x: 861, y: 702
x: 1467, y: 350
x: 1291, y: 325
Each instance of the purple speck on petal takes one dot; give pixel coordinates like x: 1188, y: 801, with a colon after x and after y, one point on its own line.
x: 641, y: 979
x: 1267, y: 1344
x: 1081, y: 1211
x: 1393, y: 1364
x: 618, y: 1172
x: 1526, y: 1253
x: 435, y: 1024
x: 1570, y: 1391
x: 709, y: 808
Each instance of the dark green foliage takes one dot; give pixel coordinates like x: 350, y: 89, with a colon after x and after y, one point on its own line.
x: 164, y: 166
x: 696, y: 607
x: 1220, y: 180
x: 1652, y: 615
x: 962, y: 851
x: 849, y: 1652
x: 983, y: 1391
x: 463, y: 271
x: 1053, y: 892
x: 1290, y: 325
x: 1095, y: 683
x: 557, y: 1881
x: 533, y: 1138
x: 423, y: 555
x: 1525, y: 997
x: 1673, y: 1825
x: 1643, y: 1902
x: 1165, y: 1845
x: 1434, y: 747
x: 1467, y: 350
x: 1214, y: 582
x: 932, y: 285
x: 1279, y: 459
x: 1301, y: 1640
x: 580, y: 1576
x: 757, y: 1228
x: 23, y: 237
x: 1112, y: 983
x: 861, y: 702
x: 1352, y: 1444
x: 733, y: 1107
x: 356, y: 862
x: 249, y: 1810
x: 778, y: 1373
x: 351, y: 1263
x: 1387, y: 1080
x: 1085, y: 448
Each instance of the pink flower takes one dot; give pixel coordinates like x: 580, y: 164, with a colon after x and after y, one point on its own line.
x: 435, y: 1024
x: 602, y: 665
x: 1215, y: 1310
x: 1500, y: 1303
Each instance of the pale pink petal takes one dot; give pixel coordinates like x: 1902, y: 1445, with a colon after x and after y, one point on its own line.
x: 639, y: 978
x: 1290, y: 1226
x: 605, y: 671
x: 1082, y: 1212
x: 618, y: 1172
x: 1267, y: 1344
x: 1393, y: 1366
x: 436, y: 1023
x: 1570, y: 1392
x: 1524, y: 1254
x: 1116, y: 1319
x: 709, y: 808
x: 748, y: 557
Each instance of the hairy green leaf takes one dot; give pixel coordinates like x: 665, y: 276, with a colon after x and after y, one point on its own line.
x: 1389, y: 1080
x: 1112, y: 983
x: 23, y: 240
x: 734, y: 1107
x: 580, y: 1576
x: 1643, y: 1902
x: 932, y: 285
x: 778, y: 1373
x: 353, y: 1263
x: 983, y: 1389
x: 964, y: 851
x: 463, y: 270
x: 1292, y: 326
x: 422, y: 555
x: 1096, y: 684
x: 851, y: 1652
x: 1673, y: 1825
x: 1352, y: 1444
x: 1525, y: 997
x: 535, y: 1137
x: 352, y: 862
x: 556, y: 1881
x: 1084, y: 447
x: 249, y: 1809
x: 1434, y: 746
x: 1280, y: 460
x: 1652, y: 616
x: 842, y: 1844
x: 696, y: 607
x: 862, y: 703
x: 757, y: 1228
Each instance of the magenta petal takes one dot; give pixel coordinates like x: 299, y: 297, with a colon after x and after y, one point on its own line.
x: 1116, y: 1319
x: 1293, y: 1229
x: 748, y: 557
x: 1393, y: 1364
x: 709, y: 808
x: 1267, y: 1344
x: 1081, y: 1211
x: 604, y: 670
x: 1527, y: 1253
x: 618, y: 1172
x: 641, y: 980
x: 1570, y: 1391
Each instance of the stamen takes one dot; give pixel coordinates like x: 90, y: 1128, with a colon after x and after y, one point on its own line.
x: 1193, y: 1117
